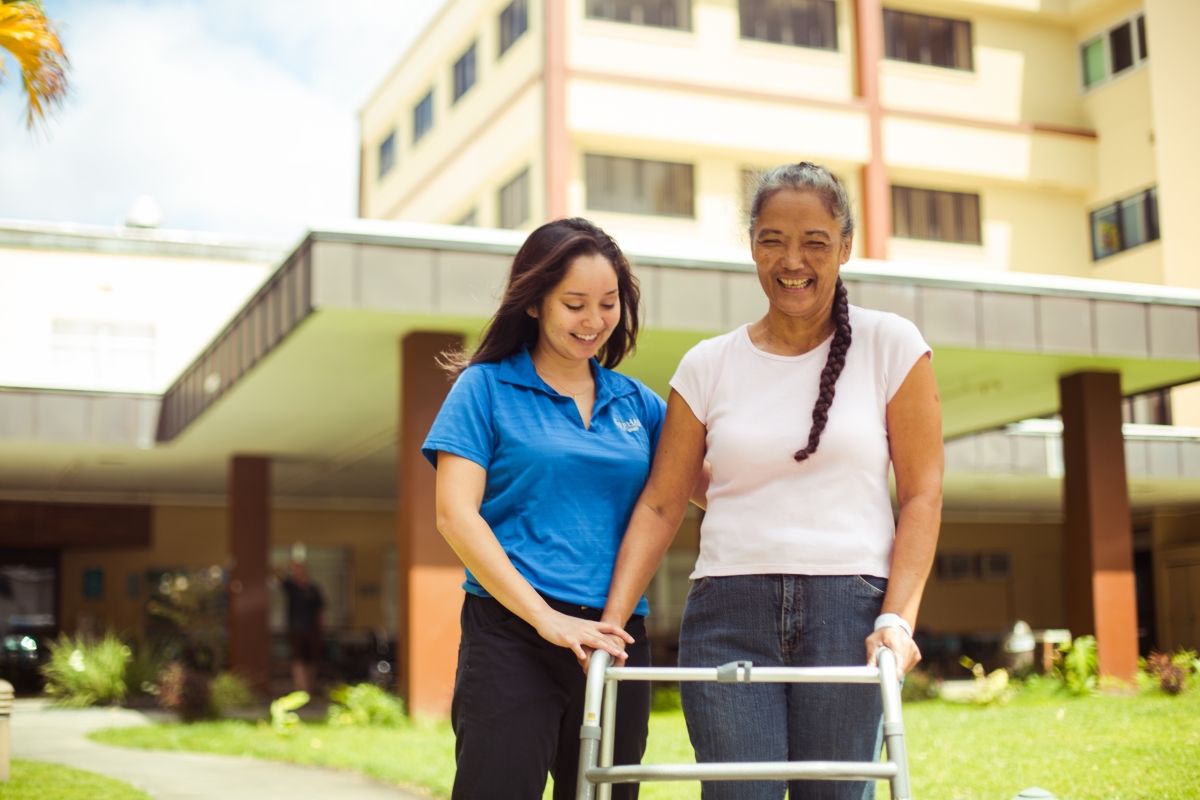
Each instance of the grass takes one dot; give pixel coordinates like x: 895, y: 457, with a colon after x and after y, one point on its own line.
x: 1103, y: 746
x: 33, y: 780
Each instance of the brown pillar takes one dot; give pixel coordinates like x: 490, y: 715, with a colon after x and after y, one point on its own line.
x: 877, y: 191
x: 554, y: 87
x: 249, y: 542
x: 1098, y: 551
x: 429, y: 575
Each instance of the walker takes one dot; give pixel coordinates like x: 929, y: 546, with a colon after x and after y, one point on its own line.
x: 597, y: 773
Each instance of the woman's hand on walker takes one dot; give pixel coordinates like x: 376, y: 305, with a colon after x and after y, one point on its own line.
x: 618, y: 661
x: 577, y: 634
x: 899, y: 642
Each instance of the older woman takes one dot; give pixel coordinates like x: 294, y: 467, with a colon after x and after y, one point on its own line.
x: 801, y: 562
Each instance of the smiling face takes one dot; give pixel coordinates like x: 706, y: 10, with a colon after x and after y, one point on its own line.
x: 579, y: 314
x: 798, y: 248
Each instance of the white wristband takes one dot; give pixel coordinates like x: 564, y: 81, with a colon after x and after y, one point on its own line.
x: 893, y: 621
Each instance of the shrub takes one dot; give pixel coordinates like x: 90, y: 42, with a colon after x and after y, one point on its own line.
x: 365, y: 704
x: 1077, y: 669
x: 230, y: 691
x: 990, y: 688
x: 1169, y: 674
x: 920, y: 685
x: 82, y: 673
x: 186, y: 692
x: 665, y: 697
x: 284, y: 718
x: 143, y: 669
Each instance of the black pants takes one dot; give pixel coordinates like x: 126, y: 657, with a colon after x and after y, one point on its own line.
x: 518, y: 706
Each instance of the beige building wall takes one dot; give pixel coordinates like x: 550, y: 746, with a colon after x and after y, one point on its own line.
x: 474, y: 143
x: 196, y: 537
x: 1175, y: 61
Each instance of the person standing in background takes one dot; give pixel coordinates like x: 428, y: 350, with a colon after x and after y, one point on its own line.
x: 305, y: 614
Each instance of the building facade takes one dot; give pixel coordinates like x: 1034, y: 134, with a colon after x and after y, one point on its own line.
x: 179, y: 413
x: 1023, y: 136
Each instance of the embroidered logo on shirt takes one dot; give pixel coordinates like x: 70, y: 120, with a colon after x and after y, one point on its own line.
x: 629, y: 426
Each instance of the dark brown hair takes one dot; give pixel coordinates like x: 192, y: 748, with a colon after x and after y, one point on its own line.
x: 540, y: 265
x: 809, y: 177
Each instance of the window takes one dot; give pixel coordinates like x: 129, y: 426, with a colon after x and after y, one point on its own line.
x: 423, y: 117
x: 387, y: 154
x: 514, y: 21
x: 464, y: 73
x: 635, y: 186
x: 995, y: 566
x: 514, y: 201
x: 954, y: 566
x: 1148, y: 408
x: 105, y: 352
x: 922, y: 39
x: 1111, y: 53
x: 1125, y: 224
x: 803, y: 23
x: 936, y: 215
x: 659, y: 13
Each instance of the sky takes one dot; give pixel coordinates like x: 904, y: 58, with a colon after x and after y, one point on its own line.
x: 237, y: 116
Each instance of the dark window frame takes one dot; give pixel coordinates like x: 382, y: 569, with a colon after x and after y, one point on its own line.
x: 464, y: 72
x: 387, y: 155
x: 811, y: 24
x: 634, y: 12
x: 423, y: 117
x: 1123, y: 44
x: 944, y: 42
x: 514, y: 22
x: 936, y: 215
x: 1116, y: 214
x: 655, y: 188
x: 515, y: 192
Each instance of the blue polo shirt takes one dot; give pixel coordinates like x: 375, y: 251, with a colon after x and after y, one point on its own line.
x: 558, y: 495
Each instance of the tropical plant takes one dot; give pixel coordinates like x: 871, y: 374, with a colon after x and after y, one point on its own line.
x: 186, y: 692
x: 144, y: 668
x: 991, y: 688
x: 32, y: 39
x: 230, y: 691
x: 1167, y: 673
x: 284, y: 718
x: 1077, y: 668
x: 83, y: 673
x: 365, y: 704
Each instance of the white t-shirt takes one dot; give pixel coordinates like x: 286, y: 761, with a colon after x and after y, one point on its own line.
x: 830, y: 514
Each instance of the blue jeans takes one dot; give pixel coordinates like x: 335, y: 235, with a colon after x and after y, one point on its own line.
x: 782, y: 621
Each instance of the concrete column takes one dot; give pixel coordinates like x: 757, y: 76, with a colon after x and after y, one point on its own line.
x: 877, y: 190
x: 554, y: 89
x: 249, y: 543
x: 429, y: 575
x: 1098, y: 533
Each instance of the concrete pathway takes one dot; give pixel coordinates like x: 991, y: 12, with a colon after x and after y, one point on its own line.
x: 40, y: 733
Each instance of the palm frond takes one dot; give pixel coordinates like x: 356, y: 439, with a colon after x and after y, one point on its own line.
x: 31, y: 38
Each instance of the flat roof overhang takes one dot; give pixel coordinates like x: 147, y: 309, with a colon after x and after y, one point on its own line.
x: 308, y: 371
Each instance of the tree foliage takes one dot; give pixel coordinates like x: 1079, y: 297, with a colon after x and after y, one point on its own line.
x: 32, y: 40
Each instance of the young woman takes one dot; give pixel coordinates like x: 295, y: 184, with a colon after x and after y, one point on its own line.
x: 541, y: 451
x: 799, y: 416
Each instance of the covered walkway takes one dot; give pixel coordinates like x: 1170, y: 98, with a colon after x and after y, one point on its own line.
x: 324, y: 384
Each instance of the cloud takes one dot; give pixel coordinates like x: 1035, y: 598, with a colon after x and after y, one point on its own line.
x: 237, y: 117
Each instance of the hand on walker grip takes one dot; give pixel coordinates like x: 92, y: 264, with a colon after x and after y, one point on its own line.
x: 899, y: 642
x: 618, y: 661
x: 577, y: 634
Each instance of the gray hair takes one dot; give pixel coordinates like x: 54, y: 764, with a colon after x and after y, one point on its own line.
x: 804, y: 177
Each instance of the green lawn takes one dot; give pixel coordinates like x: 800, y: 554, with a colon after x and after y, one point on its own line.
x: 33, y: 780
x: 1110, y: 747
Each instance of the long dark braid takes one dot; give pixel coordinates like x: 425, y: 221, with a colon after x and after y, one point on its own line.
x: 833, y: 369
